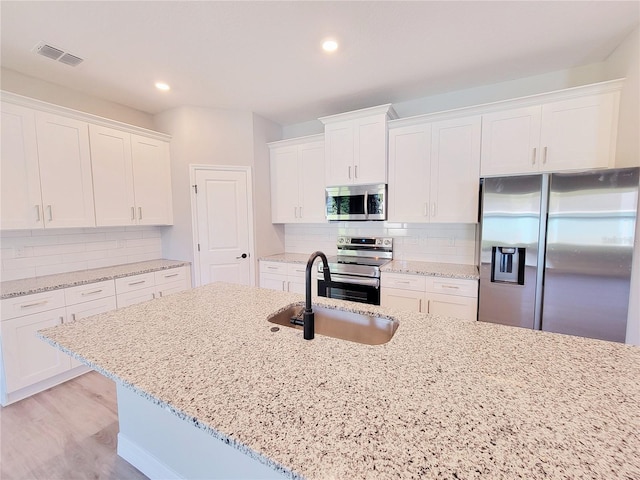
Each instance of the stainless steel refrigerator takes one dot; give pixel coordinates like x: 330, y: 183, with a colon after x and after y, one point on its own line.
x: 556, y: 251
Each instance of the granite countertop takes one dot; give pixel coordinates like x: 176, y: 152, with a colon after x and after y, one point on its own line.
x: 444, y: 398
x: 449, y: 270
x: 26, y: 286
x: 287, y: 257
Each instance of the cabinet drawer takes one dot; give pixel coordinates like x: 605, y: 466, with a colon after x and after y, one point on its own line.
x: 91, y: 291
x: 453, y: 286
x: 136, y: 296
x: 92, y: 307
x: 171, y: 287
x: 273, y: 267
x: 29, y: 304
x: 405, y: 282
x: 452, y: 306
x: 134, y: 282
x: 171, y: 275
x: 298, y: 269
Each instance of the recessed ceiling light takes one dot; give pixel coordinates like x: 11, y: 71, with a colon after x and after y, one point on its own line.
x: 329, y: 45
x: 162, y: 86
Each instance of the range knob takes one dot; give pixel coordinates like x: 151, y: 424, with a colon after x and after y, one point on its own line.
x: 387, y: 242
x: 341, y: 240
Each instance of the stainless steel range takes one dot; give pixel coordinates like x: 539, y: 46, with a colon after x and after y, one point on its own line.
x: 355, y: 271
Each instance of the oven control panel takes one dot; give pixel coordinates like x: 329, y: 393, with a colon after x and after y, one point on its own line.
x: 366, y: 241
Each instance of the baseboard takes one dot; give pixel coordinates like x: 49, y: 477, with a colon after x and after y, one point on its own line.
x: 143, y: 460
x: 15, y: 396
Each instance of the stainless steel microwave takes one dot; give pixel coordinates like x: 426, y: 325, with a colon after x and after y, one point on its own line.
x: 357, y: 202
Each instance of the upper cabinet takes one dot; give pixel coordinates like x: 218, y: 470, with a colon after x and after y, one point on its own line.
x: 297, y: 180
x: 356, y: 146
x: 556, y: 134
x: 131, y: 178
x: 62, y: 168
x: 433, y: 171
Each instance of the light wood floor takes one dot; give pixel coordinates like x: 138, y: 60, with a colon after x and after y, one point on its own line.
x: 67, y: 432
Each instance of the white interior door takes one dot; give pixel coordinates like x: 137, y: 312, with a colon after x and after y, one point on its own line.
x: 224, y: 218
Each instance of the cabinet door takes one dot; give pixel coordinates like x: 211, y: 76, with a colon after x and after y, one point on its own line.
x: 136, y: 296
x: 579, y: 133
x: 510, y: 142
x: 152, y: 181
x: 273, y: 281
x: 65, y: 171
x: 19, y: 174
x: 455, y: 170
x: 285, y: 184
x: 409, y: 166
x: 27, y: 359
x: 86, y: 309
x: 406, y: 300
x: 112, y: 176
x: 339, y: 153
x: 311, y: 181
x: 370, y: 150
x: 452, y: 306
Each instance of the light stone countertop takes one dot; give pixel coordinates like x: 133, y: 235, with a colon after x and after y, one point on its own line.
x: 449, y: 270
x: 444, y: 398
x: 27, y: 286
x: 287, y: 257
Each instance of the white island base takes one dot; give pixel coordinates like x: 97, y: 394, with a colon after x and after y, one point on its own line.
x: 163, y: 446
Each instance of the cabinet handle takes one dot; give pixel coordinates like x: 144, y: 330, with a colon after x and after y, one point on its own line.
x: 84, y: 294
x: 428, y: 306
x: 160, y: 293
x: 133, y: 213
x: 171, y: 275
x: 433, y: 209
x: 284, y: 287
x: 355, y: 169
x: 50, y: 213
x: 406, y: 282
x: 533, y: 158
x: 426, y: 209
x: 419, y: 305
x: 153, y: 295
x: 300, y: 211
x: 35, y: 304
x: 61, y: 319
x: 73, y: 317
x: 544, y: 157
x: 349, y: 171
x: 139, y: 282
x: 38, y: 213
x: 139, y: 213
x: 272, y: 268
x: 453, y: 287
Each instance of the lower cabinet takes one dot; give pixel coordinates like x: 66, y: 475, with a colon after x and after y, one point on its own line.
x: 450, y: 297
x: 29, y: 365
x: 287, y: 277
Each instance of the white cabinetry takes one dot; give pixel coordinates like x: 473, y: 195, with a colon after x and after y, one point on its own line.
x: 356, y: 146
x: 65, y: 171
x: 567, y: 134
x: 286, y: 277
x: 449, y: 297
x: 131, y: 178
x: 433, y: 171
x: 297, y: 180
x: 21, y: 202
x: 147, y: 286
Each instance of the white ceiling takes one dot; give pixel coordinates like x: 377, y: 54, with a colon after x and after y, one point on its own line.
x: 265, y: 56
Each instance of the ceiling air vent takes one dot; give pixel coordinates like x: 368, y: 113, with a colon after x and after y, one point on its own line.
x: 55, y: 53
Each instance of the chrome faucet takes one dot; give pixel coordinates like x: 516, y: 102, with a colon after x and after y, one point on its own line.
x: 308, y: 326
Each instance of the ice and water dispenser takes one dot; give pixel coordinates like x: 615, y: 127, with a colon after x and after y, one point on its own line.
x: 507, y: 265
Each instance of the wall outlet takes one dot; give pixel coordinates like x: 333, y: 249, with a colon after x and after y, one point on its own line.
x: 19, y: 252
x: 122, y: 243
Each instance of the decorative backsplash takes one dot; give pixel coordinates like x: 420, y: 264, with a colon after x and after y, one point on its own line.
x: 31, y: 253
x: 445, y: 243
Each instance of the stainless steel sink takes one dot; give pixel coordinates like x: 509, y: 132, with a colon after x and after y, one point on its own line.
x: 336, y: 323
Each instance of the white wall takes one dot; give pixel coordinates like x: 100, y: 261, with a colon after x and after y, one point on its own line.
x: 453, y: 243
x: 33, y: 253
x: 15, y: 82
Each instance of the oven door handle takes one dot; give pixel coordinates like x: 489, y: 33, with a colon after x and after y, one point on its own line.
x: 367, y: 282
x: 366, y: 204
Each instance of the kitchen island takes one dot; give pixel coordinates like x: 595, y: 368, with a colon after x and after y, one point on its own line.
x: 444, y: 398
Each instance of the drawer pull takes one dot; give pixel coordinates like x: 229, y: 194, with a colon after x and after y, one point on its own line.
x: 73, y: 317
x: 35, y: 304
x: 139, y: 282
x: 453, y: 287
x: 84, y: 294
x: 403, y: 281
x: 171, y: 275
x: 272, y: 268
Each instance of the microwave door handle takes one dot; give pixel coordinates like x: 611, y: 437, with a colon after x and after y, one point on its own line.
x: 366, y: 204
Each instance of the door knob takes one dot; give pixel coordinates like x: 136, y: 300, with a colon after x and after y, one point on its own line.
x: 244, y: 255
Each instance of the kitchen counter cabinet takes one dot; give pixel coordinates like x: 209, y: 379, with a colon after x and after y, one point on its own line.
x: 287, y: 277
x: 442, y: 399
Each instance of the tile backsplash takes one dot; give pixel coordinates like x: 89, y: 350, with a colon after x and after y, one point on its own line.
x: 446, y: 243
x: 33, y: 253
